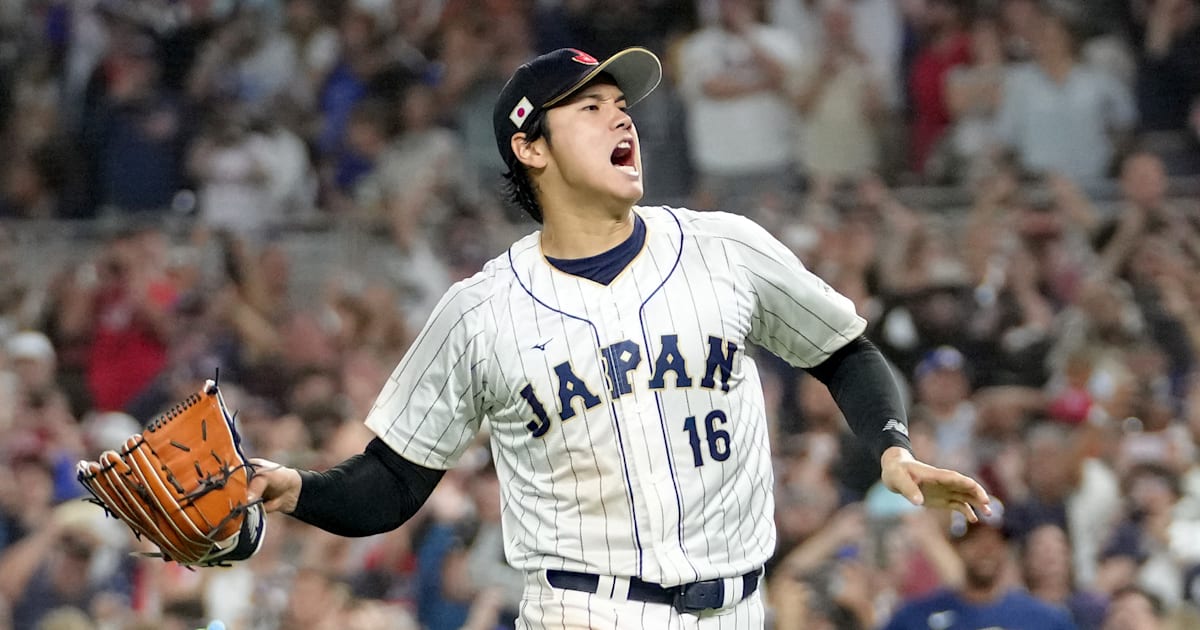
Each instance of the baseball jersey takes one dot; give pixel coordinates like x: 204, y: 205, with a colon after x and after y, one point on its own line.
x: 627, y: 421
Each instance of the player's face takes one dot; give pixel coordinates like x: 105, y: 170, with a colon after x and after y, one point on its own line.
x: 594, y: 148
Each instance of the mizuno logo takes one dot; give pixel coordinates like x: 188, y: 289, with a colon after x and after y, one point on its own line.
x: 895, y: 425
x: 542, y: 346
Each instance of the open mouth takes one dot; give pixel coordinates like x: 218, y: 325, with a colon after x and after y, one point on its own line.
x: 622, y: 158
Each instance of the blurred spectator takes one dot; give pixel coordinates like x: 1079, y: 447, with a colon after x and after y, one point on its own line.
x: 1059, y: 481
x: 1133, y: 608
x: 33, y: 362
x: 840, y: 102
x: 26, y: 494
x: 1046, y: 570
x: 248, y: 61
x: 1162, y: 536
x: 122, y: 312
x: 1019, y: 21
x: 315, y: 45
x: 317, y: 600
x: 829, y: 576
x: 1168, y: 79
x: 878, y: 29
x: 1145, y: 209
x: 943, y: 400
x: 231, y: 166
x: 1104, y: 321
x: 44, y: 173
x: 1059, y: 115
x: 183, y: 42
x: 973, y: 95
x: 136, y: 135
x: 735, y: 71
x: 291, y: 179
x: 66, y: 561
x: 14, y: 286
x: 477, y: 56
x: 988, y: 596
x: 478, y: 564
x: 946, y: 45
x: 1017, y: 259
x: 362, y: 58
x: 808, y: 494
x: 419, y: 176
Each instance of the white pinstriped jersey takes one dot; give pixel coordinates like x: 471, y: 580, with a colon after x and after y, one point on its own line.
x: 628, y: 424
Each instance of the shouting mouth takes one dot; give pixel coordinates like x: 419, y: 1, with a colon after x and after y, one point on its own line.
x: 622, y: 158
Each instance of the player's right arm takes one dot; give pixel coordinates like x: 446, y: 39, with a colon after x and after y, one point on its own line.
x: 426, y: 415
x: 370, y: 493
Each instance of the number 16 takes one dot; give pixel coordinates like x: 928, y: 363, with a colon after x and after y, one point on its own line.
x: 718, y: 439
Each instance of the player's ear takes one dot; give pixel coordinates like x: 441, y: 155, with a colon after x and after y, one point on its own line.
x: 531, y: 154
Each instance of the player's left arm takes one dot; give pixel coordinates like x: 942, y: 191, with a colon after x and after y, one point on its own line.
x: 803, y: 320
x: 862, y: 384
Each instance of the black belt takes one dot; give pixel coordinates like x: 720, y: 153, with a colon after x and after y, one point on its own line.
x: 693, y: 597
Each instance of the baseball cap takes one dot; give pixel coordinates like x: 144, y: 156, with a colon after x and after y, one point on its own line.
x: 548, y: 79
x: 30, y: 345
x: 941, y: 358
x: 960, y: 526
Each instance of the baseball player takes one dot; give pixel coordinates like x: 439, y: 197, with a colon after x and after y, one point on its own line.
x: 608, y: 353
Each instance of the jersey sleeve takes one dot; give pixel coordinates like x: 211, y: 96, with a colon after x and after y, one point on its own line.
x: 432, y: 405
x: 796, y: 315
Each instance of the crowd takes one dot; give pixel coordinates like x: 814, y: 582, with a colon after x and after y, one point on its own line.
x: 1046, y: 342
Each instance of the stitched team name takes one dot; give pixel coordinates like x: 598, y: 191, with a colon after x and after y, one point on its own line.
x: 620, y: 359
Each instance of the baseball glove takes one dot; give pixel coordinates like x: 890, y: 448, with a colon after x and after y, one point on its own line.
x: 183, y: 484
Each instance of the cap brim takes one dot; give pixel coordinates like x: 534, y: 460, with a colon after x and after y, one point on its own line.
x: 636, y: 70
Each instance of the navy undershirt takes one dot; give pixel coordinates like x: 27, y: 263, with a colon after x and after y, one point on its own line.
x: 604, y: 267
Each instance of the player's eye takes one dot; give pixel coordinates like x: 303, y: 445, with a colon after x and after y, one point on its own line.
x: 591, y: 108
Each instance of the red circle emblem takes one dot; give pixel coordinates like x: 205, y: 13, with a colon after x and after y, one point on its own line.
x: 584, y: 58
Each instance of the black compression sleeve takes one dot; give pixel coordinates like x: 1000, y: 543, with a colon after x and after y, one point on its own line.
x: 370, y: 493
x: 862, y: 384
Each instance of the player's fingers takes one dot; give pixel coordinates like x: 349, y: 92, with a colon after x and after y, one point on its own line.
x: 261, y: 481
x: 957, y: 486
x: 964, y: 508
x: 278, y: 486
x: 907, y: 487
x: 957, y: 501
x: 273, y: 505
x: 258, y: 485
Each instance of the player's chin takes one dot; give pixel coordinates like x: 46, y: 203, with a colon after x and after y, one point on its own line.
x: 628, y: 189
x: 630, y: 196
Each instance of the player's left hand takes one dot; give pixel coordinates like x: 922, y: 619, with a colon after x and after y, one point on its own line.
x: 931, y: 486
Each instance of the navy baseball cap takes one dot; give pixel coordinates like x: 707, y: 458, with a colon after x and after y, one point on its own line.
x: 549, y: 79
x: 940, y: 358
x: 960, y: 526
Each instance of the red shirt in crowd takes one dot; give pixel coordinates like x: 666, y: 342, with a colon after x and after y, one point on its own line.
x: 927, y: 86
x: 126, y: 353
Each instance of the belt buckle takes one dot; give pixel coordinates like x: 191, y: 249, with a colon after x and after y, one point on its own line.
x: 699, y: 596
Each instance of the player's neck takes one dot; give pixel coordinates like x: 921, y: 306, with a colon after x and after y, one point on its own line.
x: 582, y: 233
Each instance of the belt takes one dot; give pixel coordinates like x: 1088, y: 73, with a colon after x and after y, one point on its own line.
x: 686, y: 598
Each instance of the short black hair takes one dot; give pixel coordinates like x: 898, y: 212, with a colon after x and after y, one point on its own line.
x: 519, y: 190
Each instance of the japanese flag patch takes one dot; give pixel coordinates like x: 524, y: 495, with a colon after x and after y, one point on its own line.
x: 521, y: 112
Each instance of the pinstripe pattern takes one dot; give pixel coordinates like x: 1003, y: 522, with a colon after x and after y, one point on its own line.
x: 615, y: 488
